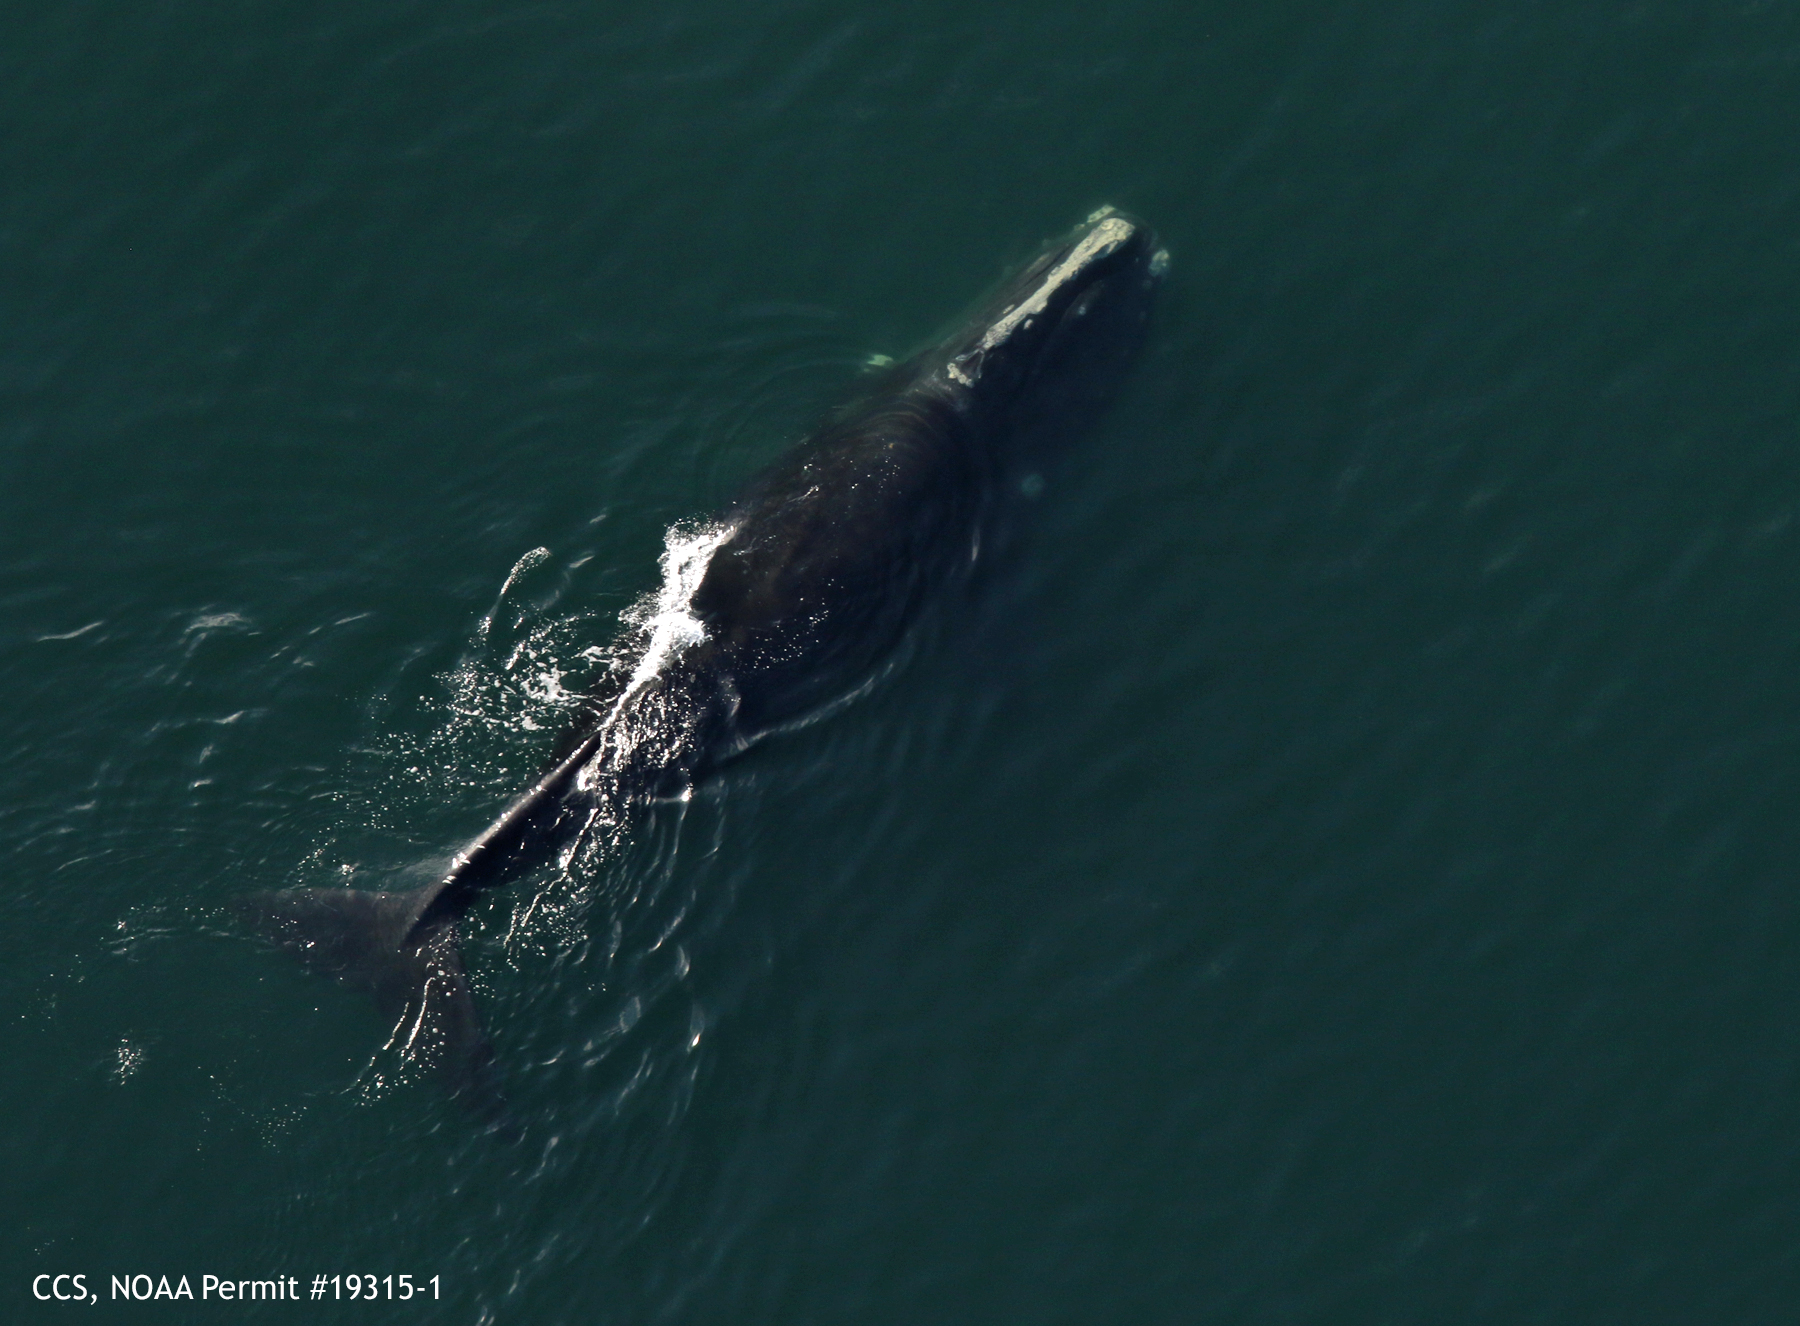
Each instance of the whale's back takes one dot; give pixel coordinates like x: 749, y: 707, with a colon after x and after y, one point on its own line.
x: 833, y: 550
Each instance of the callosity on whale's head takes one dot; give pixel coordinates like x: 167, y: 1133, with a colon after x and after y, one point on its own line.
x: 1062, y: 328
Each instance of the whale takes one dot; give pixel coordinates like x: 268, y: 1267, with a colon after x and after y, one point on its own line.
x: 789, y: 602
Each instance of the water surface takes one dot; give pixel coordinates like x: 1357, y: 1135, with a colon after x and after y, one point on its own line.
x: 1335, y: 864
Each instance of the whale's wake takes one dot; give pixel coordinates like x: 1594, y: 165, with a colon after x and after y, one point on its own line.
x: 403, y: 946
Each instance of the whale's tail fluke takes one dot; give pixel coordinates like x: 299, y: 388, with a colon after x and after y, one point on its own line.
x: 412, y: 966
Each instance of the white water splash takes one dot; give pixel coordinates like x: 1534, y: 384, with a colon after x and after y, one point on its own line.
x: 660, y: 627
x: 529, y: 562
x: 666, y: 620
x: 129, y: 1058
x: 666, y: 625
x: 503, y: 690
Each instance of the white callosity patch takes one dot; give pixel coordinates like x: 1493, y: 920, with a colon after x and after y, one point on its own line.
x: 1103, y: 240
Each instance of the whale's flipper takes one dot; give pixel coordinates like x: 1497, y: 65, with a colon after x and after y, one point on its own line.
x: 413, y: 968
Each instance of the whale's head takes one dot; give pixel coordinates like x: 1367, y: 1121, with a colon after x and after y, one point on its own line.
x: 1056, y: 335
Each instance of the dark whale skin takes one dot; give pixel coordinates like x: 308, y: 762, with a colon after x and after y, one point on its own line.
x: 823, y: 564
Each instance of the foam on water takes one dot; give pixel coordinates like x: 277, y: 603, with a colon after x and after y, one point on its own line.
x: 665, y: 623
x: 666, y: 620
x: 658, y: 628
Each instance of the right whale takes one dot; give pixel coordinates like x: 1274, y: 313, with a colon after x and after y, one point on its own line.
x: 785, y: 605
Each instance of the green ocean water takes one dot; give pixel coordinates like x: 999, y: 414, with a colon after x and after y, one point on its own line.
x: 1336, y: 863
